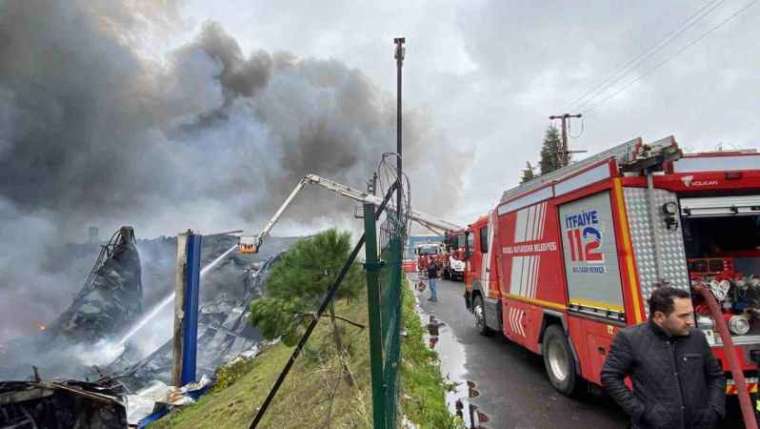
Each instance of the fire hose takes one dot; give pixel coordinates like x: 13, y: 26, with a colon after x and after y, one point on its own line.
x: 748, y: 413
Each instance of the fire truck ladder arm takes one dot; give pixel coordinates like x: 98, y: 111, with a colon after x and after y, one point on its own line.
x: 273, y: 221
x: 433, y: 223
x: 426, y: 220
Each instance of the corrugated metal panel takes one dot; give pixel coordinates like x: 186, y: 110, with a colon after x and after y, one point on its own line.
x: 673, y: 257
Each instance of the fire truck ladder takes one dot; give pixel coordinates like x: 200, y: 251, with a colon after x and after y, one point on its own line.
x: 631, y: 156
x: 426, y: 220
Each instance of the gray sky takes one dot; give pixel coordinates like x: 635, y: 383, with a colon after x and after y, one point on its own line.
x: 176, y: 114
x: 489, y: 73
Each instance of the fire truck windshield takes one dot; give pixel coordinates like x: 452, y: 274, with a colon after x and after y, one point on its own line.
x: 427, y: 250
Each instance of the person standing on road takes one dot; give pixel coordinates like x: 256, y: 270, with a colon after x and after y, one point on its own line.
x: 677, y: 382
x: 432, y: 273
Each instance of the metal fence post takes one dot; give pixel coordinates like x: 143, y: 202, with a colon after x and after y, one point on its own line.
x: 372, y: 266
x: 392, y: 325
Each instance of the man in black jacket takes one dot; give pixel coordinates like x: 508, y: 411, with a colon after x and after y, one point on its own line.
x: 432, y: 272
x: 677, y: 382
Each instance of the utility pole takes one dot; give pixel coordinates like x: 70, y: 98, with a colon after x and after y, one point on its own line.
x: 399, y: 55
x: 564, y: 153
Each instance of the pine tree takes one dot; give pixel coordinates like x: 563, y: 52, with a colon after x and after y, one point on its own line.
x: 299, y: 281
x: 527, y: 174
x: 550, y: 150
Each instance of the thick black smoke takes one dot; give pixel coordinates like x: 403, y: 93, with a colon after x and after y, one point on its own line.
x: 93, y: 132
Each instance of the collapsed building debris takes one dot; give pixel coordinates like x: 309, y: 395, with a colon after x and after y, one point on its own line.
x: 111, y: 302
x: 108, y: 302
x: 62, y: 404
x: 111, y: 298
x: 223, y: 332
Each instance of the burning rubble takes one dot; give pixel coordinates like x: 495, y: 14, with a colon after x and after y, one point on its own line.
x: 223, y: 331
x: 69, y: 404
x: 110, y: 299
x: 112, y: 302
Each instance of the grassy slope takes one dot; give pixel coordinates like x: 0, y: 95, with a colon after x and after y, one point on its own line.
x: 304, y: 398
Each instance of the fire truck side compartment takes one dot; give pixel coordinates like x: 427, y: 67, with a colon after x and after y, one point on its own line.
x: 673, y: 257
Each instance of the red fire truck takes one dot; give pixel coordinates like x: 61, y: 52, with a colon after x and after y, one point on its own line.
x: 449, y: 255
x: 566, y: 260
x: 454, y: 265
x: 427, y: 253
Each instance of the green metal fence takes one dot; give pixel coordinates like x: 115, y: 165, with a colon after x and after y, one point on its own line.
x: 384, y: 302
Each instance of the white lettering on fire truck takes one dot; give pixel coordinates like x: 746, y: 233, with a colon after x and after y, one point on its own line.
x: 689, y: 181
x: 549, y: 246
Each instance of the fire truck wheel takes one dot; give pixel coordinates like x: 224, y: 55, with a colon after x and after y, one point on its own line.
x: 478, y: 310
x: 558, y: 360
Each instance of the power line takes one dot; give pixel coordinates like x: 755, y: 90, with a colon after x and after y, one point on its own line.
x: 635, y: 62
x: 667, y: 60
x: 621, y: 71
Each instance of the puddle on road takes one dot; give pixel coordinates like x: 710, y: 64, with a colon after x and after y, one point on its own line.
x: 451, y: 354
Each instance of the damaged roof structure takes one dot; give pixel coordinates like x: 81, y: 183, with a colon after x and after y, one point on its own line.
x: 62, y: 404
x: 223, y: 332
x: 112, y: 300
x: 112, y: 294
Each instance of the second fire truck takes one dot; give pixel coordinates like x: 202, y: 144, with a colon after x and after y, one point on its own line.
x: 449, y: 256
x: 565, y: 261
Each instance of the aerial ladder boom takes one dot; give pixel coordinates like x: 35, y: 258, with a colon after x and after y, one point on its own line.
x: 251, y: 244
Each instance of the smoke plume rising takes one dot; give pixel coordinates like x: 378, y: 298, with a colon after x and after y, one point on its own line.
x: 95, y: 132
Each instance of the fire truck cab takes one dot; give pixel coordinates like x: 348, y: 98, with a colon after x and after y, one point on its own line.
x: 449, y: 256
x: 566, y: 260
x: 428, y: 252
x: 454, y: 264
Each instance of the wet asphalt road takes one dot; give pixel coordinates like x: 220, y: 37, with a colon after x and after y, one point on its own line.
x: 514, y: 390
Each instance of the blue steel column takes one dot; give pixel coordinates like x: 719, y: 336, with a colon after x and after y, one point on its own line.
x: 190, y: 331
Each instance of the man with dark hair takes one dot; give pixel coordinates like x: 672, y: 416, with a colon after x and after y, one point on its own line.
x: 677, y: 382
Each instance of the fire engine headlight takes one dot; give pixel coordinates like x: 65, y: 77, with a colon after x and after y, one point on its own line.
x: 738, y: 324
